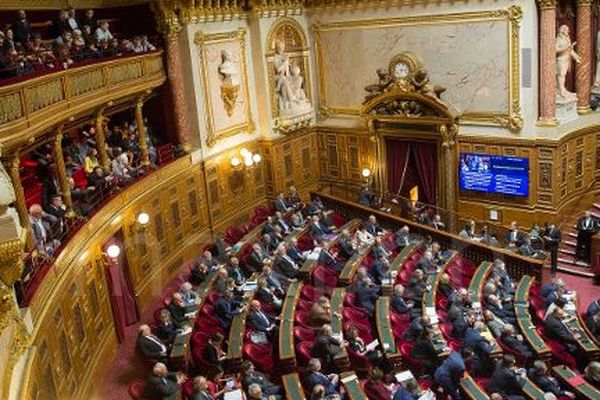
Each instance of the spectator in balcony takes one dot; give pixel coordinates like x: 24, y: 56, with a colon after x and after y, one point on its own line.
x: 61, y: 24
x: 40, y: 228
x: 91, y: 161
x: 9, y: 45
x: 72, y: 19
x: 65, y: 38
x: 80, y: 197
x: 50, y: 186
x: 21, y: 28
x: 99, y: 179
x: 146, y: 45
x: 63, y: 57
x: 103, y: 33
x: 90, y: 20
x: 121, y: 167
x: 57, y: 209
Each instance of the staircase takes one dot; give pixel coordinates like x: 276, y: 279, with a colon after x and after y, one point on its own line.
x: 566, y: 251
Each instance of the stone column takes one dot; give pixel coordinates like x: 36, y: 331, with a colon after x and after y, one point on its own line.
x: 20, y: 204
x: 174, y: 71
x: 101, y: 142
x: 547, y: 92
x: 583, y: 78
x: 61, y: 170
x: 449, y: 148
x: 141, y: 133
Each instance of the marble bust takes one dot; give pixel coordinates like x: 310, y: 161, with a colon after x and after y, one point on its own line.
x: 228, y: 69
x: 288, y: 82
x: 565, y: 54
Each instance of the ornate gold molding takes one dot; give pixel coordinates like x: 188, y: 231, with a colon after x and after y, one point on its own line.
x: 201, y: 40
x: 11, y: 259
x: 511, y: 119
x: 543, y: 4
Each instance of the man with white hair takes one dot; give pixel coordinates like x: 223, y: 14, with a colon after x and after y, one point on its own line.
x: 44, y: 244
x: 316, y: 377
x: 201, y: 391
x: 149, y: 345
x: 255, y: 393
x: 187, y: 294
x: 163, y: 384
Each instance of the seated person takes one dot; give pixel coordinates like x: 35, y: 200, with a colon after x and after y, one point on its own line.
x: 363, y: 238
x: 250, y: 376
x: 373, y: 227
x: 449, y: 374
x: 206, y: 390
x: 501, y: 311
x: 268, y: 295
x: 593, y: 309
x: 315, y: 377
x: 166, y: 329
x: 402, y: 237
x: 482, y: 349
x: 178, y: 309
x: 294, y: 252
x: 346, y: 246
x: 259, y: 320
x: 553, y: 290
x: 213, y: 352
x: 281, y: 204
x: 281, y: 222
x: 255, y: 392
x: 320, y: 312
x: 162, y: 384
x: 375, y: 387
x: 379, y: 250
x: 592, y: 373
x: 555, y: 329
x: 462, y: 323
x: 234, y: 271
x: 297, y: 220
x: 208, y: 259
x: 459, y: 304
x: 366, y: 294
x: 326, y: 347
x: 273, y: 281
x: 318, y: 229
x: 506, y: 379
x: 514, y: 237
x: 417, y: 285
x: 149, y: 345
x: 379, y: 270
x: 399, y: 304
x: 187, y: 294
x: 548, y: 384
x: 366, y: 197
x: 319, y: 393
x: 445, y: 288
x: 436, y: 222
x: 593, y: 324
x: 357, y: 345
x: 426, y: 263
x: 328, y: 259
x: 284, y: 265
x: 468, y: 232
x: 527, y: 249
x: 425, y: 351
x: 225, y: 308
x: 495, y: 324
x: 257, y: 258
x: 515, y: 342
x: 199, y: 272
x: 416, y: 327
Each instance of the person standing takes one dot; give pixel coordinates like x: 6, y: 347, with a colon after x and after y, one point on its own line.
x: 587, y: 226
x: 552, y: 240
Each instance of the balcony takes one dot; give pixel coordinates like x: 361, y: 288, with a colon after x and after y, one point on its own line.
x: 29, y: 107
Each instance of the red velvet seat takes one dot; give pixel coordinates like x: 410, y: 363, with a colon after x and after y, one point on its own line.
x: 303, y: 334
x: 211, y: 299
x: 349, y: 299
x: 363, y: 327
x: 399, y: 320
x: 405, y: 350
x: 304, y: 350
x: 446, y: 329
x: 311, y: 293
x: 302, y: 318
x: 136, y: 389
x: 354, y: 314
x: 324, y: 277
x: 337, y: 219
x: 260, y: 355
x: 404, y: 276
x: 304, y: 304
x: 441, y: 302
x: 233, y: 234
x: 187, y: 389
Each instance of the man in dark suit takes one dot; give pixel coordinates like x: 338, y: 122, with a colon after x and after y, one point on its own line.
x: 501, y: 311
x: 251, y: 376
x: 587, y: 226
x: 482, y: 348
x: 426, y: 263
x: 162, y: 384
x: 201, y: 391
x: 281, y: 205
x: 294, y: 252
x: 366, y: 197
x: 234, y: 271
x: 366, y: 295
x: 345, y: 245
x: 425, y: 351
x: 378, y: 250
x: 256, y: 259
x: 259, y: 320
x: 527, y: 249
x: 555, y: 329
x: 372, y: 226
x: 21, y: 28
x: 178, y: 309
x: 552, y: 291
x: 149, y: 345
x: 402, y: 237
x: 326, y: 347
x: 514, y: 237
x: 416, y: 327
x: 548, y: 384
x: 552, y: 239
x: 379, y: 269
x: 449, y: 374
x: 208, y: 259
x: 268, y: 226
x: 328, y: 259
x: 225, y: 308
x: 281, y: 222
x: 417, y: 285
x: 315, y: 377
x: 505, y: 380
x: 317, y: 229
x: 593, y: 309
x: 515, y: 342
x: 462, y: 323
x: 284, y: 265
x: 400, y: 305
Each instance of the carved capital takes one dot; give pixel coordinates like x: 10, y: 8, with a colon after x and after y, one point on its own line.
x: 584, y: 3
x: 546, y: 4
x: 11, y: 259
x: 448, y: 133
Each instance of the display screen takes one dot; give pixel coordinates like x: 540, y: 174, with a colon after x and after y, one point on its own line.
x: 494, y: 174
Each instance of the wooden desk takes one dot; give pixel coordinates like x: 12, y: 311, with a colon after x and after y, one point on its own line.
x: 472, y: 389
x: 585, y: 390
x: 397, y: 264
x: 586, y: 340
x: 353, y: 387
x: 525, y: 321
x: 287, y: 351
x: 237, y: 331
x: 180, y: 349
x: 352, y: 266
x: 384, y: 330
x: 476, y: 287
x: 428, y: 302
x: 309, y: 265
x: 293, y: 387
x: 337, y: 304
x: 531, y: 390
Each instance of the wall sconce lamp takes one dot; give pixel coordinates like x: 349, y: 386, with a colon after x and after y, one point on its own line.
x: 113, y: 251
x: 366, y: 173
x: 143, y: 218
x: 248, y: 159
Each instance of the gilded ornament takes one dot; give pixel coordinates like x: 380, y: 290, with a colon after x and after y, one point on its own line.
x: 546, y: 3
x: 10, y: 107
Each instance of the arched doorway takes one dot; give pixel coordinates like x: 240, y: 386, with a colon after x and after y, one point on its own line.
x: 415, y: 132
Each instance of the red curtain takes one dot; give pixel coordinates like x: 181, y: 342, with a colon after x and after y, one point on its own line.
x: 412, y: 163
x: 397, y: 152
x: 122, y: 298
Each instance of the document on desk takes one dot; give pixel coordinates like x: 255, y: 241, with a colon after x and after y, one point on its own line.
x: 234, y: 395
x: 371, y: 346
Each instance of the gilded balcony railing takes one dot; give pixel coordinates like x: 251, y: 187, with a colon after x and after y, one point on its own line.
x: 29, y: 107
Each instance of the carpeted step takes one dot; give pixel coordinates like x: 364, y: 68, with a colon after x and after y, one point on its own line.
x: 566, y: 250
x: 575, y: 270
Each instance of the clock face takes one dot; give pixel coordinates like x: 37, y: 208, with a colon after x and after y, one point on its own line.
x: 401, y: 70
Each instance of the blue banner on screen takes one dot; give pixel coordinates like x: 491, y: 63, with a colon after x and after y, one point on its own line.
x: 494, y: 174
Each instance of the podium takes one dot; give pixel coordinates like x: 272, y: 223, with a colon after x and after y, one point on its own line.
x: 595, y: 257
